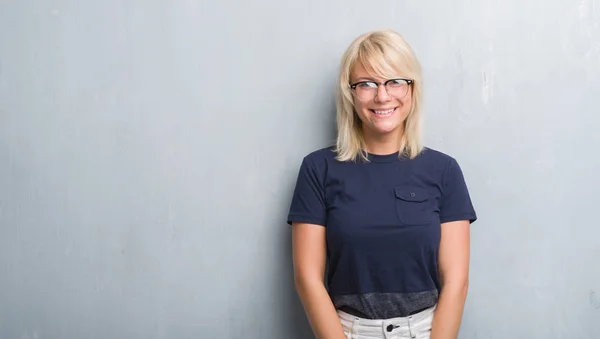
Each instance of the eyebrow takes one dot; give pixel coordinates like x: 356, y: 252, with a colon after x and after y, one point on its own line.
x: 361, y: 80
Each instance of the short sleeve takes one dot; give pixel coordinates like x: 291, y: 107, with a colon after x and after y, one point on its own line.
x: 455, y: 202
x: 308, y: 200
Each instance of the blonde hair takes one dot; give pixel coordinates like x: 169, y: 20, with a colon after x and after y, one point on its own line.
x: 382, y: 53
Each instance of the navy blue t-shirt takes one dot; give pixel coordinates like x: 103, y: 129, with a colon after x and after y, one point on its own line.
x: 382, y: 221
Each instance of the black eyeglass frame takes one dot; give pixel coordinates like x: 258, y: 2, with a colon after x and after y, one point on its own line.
x: 384, y: 83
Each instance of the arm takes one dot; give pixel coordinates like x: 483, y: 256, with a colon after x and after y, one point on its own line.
x: 309, y: 255
x: 454, y: 273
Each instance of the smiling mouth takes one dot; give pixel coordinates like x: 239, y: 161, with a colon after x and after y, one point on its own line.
x: 383, y: 113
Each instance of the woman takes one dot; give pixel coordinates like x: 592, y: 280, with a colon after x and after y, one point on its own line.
x: 388, y: 216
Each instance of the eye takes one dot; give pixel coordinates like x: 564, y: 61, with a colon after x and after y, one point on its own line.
x: 366, y: 85
x: 397, y: 82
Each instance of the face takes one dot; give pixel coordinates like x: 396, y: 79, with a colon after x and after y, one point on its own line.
x: 383, y: 114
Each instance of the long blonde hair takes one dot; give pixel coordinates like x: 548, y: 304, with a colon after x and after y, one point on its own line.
x: 382, y: 53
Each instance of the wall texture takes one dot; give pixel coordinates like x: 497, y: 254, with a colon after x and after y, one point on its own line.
x: 148, y: 150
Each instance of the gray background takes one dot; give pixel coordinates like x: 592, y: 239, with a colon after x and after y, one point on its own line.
x: 148, y: 150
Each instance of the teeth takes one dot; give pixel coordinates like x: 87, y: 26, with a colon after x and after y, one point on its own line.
x: 384, y: 112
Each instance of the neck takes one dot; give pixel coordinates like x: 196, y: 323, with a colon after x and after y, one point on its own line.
x: 382, y: 144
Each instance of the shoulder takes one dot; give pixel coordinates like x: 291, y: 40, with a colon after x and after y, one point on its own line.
x: 320, y: 157
x: 314, y: 167
x: 444, y: 167
x: 316, y: 163
x: 439, y: 166
x: 434, y: 158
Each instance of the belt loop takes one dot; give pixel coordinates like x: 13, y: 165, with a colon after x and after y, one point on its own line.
x: 411, y: 330
x: 355, y: 323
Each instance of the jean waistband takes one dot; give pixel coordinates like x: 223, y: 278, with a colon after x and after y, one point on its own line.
x: 424, y: 317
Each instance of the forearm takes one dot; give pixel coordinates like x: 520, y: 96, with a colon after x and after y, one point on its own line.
x: 448, y: 313
x: 319, y: 309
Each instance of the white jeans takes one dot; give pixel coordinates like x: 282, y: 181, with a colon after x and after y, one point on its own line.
x: 416, y: 326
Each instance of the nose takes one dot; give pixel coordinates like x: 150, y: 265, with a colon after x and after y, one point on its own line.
x: 382, y: 94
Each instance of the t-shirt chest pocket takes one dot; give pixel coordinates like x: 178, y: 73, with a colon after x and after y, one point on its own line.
x: 413, y: 205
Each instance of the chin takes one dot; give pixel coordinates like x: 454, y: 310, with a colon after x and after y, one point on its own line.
x: 385, y: 129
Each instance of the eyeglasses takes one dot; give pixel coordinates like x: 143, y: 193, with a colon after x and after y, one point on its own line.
x: 367, y: 90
